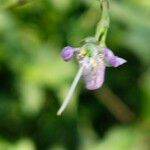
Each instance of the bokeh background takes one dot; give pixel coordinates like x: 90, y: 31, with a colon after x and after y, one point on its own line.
x: 34, y: 79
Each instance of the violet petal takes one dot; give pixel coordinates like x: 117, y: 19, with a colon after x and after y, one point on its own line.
x: 118, y: 61
x: 111, y: 59
x: 67, y: 53
x: 95, y: 78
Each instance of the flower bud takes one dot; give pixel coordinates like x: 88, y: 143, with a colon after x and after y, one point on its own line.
x: 67, y: 53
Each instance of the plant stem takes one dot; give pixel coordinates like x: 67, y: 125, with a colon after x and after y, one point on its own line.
x: 103, y: 24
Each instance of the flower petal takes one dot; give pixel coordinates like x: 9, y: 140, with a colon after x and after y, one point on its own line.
x: 118, y: 61
x: 111, y: 59
x: 95, y: 77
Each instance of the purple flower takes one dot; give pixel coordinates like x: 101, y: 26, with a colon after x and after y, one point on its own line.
x: 67, y: 53
x: 93, y: 60
x: 93, y: 57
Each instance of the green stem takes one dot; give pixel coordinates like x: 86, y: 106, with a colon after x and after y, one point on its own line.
x: 103, y: 24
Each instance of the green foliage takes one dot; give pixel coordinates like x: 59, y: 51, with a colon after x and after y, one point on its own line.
x: 34, y: 79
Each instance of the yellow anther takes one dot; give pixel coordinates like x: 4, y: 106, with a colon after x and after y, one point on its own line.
x: 83, y: 52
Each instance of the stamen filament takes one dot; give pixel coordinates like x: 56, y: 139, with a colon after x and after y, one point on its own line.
x: 70, y: 93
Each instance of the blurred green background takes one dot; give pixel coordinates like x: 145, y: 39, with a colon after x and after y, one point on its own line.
x: 34, y: 79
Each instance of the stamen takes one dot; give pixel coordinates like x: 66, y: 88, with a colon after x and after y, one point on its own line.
x: 70, y: 93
